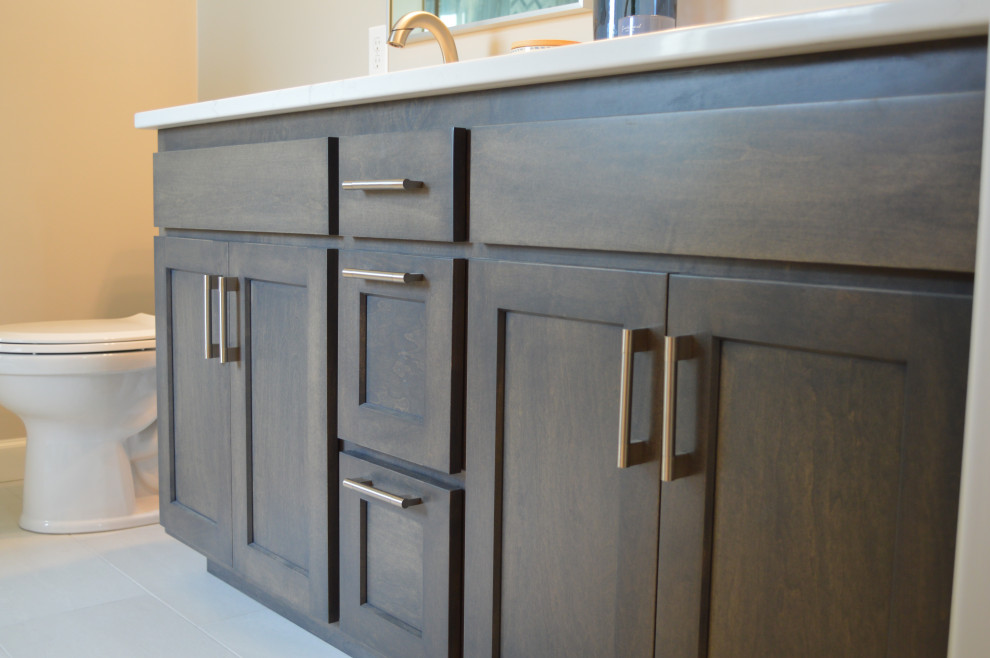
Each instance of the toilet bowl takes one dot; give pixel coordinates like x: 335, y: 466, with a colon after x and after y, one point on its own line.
x: 86, y: 393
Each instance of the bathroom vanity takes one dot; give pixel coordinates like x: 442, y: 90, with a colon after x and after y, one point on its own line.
x: 668, y: 360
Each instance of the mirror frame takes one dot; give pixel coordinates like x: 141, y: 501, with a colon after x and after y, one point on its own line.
x: 572, y: 7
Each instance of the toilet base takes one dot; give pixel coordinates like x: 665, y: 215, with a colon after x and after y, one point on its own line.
x: 145, y: 513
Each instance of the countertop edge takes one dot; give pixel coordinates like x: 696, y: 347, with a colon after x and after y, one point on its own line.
x: 843, y: 28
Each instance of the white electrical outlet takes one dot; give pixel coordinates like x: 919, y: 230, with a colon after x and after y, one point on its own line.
x: 377, y: 50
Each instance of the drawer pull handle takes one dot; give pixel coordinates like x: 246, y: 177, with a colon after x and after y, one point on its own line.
x: 675, y: 348
x: 365, y: 487
x: 207, y: 317
x: 376, y: 185
x: 224, y: 350
x: 388, y: 277
x: 625, y: 397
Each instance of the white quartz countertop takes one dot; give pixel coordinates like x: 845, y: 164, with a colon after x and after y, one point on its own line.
x: 853, y: 26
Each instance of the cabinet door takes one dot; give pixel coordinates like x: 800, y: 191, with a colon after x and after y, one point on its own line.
x: 561, y: 543
x: 400, y: 561
x: 279, y: 423
x: 401, y: 356
x: 819, y: 431
x: 193, y: 396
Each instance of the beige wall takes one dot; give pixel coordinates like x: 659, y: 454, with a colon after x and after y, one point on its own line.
x: 75, y: 176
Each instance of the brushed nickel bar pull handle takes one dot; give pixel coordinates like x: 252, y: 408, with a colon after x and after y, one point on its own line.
x: 675, y: 348
x: 224, y: 356
x: 377, y: 185
x: 207, y: 317
x: 365, y: 487
x: 669, y: 408
x: 388, y: 277
x: 625, y: 397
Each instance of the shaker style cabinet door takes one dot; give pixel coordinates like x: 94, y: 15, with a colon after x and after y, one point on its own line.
x: 400, y: 382
x: 813, y: 510
x: 561, y: 541
x: 193, y: 396
x: 280, y: 358
x: 400, y: 560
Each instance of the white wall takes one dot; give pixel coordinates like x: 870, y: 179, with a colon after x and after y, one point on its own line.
x: 247, y: 46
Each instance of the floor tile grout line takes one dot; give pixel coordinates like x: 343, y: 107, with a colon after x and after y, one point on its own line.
x: 82, y: 544
x: 169, y: 606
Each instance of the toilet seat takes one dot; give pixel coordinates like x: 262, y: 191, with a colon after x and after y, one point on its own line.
x: 130, y: 334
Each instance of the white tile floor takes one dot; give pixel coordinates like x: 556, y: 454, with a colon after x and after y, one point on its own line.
x: 127, y: 594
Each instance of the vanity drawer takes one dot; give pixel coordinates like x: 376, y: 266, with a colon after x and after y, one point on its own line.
x: 400, y: 567
x: 400, y: 383
x: 274, y: 187
x: 889, y: 182
x: 432, y: 203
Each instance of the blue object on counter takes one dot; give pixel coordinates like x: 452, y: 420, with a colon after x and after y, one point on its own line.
x: 615, y: 18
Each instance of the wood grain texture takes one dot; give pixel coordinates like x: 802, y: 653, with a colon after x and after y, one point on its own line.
x: 561, y: 544
x: 436, y: 211
x: 193, y: 400
x: 806, y: 481
x: 395, y: 344
x: 401, y: 359
x: 889, y: 182
x: 282, y: 187
x: 767, y: 351
x: 401, y: 568
x: 822, y: 430
x: 279, y: 424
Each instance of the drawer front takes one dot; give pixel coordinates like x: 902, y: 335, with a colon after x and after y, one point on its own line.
x: 400, y: 357
x: 891, y: 182
x: 277, y: 187
x: 400, y: 586
x: 435, y: 210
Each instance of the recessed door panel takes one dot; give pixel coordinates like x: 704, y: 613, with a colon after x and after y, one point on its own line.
x: 394, y: 359
x: 807, y: 482
x: 276, y: 359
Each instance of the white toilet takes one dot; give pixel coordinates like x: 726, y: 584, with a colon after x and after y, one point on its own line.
x: 86, y: 393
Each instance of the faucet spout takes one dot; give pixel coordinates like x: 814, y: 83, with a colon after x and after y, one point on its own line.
x: 430, y: 22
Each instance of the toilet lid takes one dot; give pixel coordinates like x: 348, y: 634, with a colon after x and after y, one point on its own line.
x: 136, y: 332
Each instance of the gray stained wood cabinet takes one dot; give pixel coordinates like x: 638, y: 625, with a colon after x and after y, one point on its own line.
x: 561, y: 543
x: 818, y: 440
x: 811, y: 505
x: 401, y: 344
x: 432, y: 205
x: 244, y: 440
x: 675, y: 365
x: 401, y: 543
x: 194, y: 397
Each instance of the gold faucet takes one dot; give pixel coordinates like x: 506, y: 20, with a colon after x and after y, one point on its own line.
x: 430, y: 22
